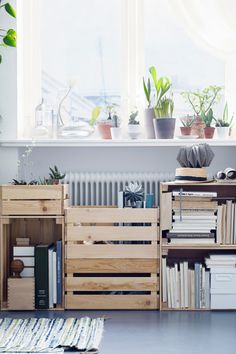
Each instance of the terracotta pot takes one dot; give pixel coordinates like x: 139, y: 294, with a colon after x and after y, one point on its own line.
x: 198, y: 127
x: 104, y: 130
x: 209, y: 132
x: 148, y: 123
x: 164, y: 128
x: 185, y: 130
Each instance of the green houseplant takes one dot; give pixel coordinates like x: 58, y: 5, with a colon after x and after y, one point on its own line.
x: 201, y: 101
x: 164, y: 124
x: 149, y: 111
x: 105, y: 122
x: 208, y: 118
x: 187, y: 123
x: 133, y: 125
x: 224, y: 124
x: 8, y: 36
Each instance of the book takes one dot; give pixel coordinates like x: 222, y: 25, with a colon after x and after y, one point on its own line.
x: 177, y: 286
x: 186, y: 284
x: 50, y: 276
x: 207, y: 288
x: 190, y: 235
x: 194, y: 218
x: 168, y: 287
x: 54, y: 278
x: 194, y: 194
x: 193, y: 204
x: 182, y: 292
x: 197, y: 288
x: 41, y: 277
x: 219, y: 224
x: 59, y: 271
x: 194, y: 212
x: 23, y: 251
x: 198, y: 241
x: 228, y: 221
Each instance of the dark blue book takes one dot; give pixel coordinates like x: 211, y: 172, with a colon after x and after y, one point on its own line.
x: 59, y: 272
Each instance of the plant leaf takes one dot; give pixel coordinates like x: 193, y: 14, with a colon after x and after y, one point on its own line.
x: 0, y: 58
x: 95, y: 114
x: 10, y: 40
x: 9, y: 9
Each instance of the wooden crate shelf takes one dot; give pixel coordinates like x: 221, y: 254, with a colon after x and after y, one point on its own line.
x: 33, y: 199
x: 109, y: 265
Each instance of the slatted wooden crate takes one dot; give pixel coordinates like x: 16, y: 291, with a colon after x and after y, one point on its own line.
x: 33, y: 199
x: 103, y: 270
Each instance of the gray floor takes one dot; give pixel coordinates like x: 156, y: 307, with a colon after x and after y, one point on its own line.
x: 152, y: 332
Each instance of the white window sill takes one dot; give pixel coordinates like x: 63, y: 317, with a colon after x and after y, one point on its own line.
x: 114, y: 143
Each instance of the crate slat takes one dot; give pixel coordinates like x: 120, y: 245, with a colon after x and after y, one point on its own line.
x: 110, y: 215
x: 32, y: 192
x: 111, y: 302
x: 74, y: 251
x: 112, y: 265
x: 112, y: 283
x: 31, y: 207
x: 111, y: 233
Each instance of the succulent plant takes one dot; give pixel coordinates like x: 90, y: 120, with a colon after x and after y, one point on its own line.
x: 132, y: 118
x: 134, y: 193
x: 55, y: 174
x: 195, y: 156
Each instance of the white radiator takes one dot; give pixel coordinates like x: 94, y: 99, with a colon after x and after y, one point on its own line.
x: 101, y: 188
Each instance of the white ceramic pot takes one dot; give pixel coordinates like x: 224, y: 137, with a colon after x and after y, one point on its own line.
x: 116, y: 133
x: 134, y: 131
x: 222, y: 132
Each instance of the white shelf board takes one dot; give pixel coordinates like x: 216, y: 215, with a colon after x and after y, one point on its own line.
x: 114, y: 143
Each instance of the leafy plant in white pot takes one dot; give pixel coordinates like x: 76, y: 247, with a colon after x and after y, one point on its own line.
x: 164, y: 124
x: 116, y: 130
x: 133, y: 125
x: 149, y: 111
x: 224, y: 124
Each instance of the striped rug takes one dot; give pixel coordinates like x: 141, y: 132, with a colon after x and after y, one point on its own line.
x: 46, y: 335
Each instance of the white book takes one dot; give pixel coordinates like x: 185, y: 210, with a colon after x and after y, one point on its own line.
x: 232, y: 225
x: 50, y: 277
x: 23, y: 251
x: 203, y: 290
x: 27, y: 272
x: 207, y: 289
x: 228, y: 221
x: 192, y: 305
x: 28, y: 261
x: 234, y: 236
x: 196, y: 212
x: 164, y: 283
x: 194, y: 218
x: 54, y: 277
x: 194, y: 194
x: 219, y: 224
x: 177, y: 286
x: 192, y: 241
x: 182, y: 301
x: 222, y: 257
x: 186, y: 285
x: 168, y: 287
x: 172, y: 287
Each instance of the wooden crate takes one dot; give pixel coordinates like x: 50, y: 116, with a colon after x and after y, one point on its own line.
x: 103, y: 270
x: 33, y: 200
x: 40, y: 229
x: 20, y: 294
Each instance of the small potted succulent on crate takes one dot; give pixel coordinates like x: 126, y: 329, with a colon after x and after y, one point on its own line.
x: 164, y: 123
x: 208, y: 119
x: 116, y: 129
x: 224, y: 124
x: 133, y: 125
x: 201, y: 101
x: 186, y: 125
x: 55, y: 175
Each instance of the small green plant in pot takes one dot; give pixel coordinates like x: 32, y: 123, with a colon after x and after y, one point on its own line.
x: 104, y: 123
x: 134, y: 125
x: 201, y: 101
x: 208, y: 119
x: 224, y: 124
x: 149, y: 111
x: 116, y: 129
x: 164, y: 124
x: 186, y: 125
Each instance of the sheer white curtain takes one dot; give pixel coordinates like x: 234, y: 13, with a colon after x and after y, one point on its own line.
x: 212, y: 24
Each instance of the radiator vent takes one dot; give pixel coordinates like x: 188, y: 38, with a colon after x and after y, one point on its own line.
x: 101, y: 188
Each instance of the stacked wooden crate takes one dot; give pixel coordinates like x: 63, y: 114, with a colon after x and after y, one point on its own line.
x: 112, y: 258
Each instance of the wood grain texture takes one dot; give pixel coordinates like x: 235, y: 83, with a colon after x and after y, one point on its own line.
x: 33, y: 192
x: 112, y: 283
x: 31, y: 207
x: 111, y: 215
x: 111, y: 233
x: 112, y: 265
x: 74, y: 251
x: 110, y: 302
x: 21, y: 293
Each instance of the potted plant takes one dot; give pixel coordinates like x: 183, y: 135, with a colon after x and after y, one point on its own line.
x: 187, y: 125
x: 116, y: 129
x: 208, y: 118
x: 201, y: 102
x: 105, y: 123
x: 224, y: 124
x: 133, y: 125
x: 55, y: 175
x: 164, y: 124
x: 149, y: 111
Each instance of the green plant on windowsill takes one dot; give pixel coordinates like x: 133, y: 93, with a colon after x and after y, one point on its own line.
x: 187, y: 122
x: 8, y: 37
x: 225, y: 121
x: 133, y: 118
x: 208, y: 118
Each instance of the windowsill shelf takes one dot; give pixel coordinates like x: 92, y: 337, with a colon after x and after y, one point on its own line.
x: 114, y: 143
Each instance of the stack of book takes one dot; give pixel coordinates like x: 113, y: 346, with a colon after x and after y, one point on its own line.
x: 48, y: 275
x: 194, y: 218
x: 218, y: 261
x: 226, y: 230
x: 184, y: 287
x: 26, y: 255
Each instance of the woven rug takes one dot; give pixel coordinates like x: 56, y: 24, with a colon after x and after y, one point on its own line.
x: 46, y: 335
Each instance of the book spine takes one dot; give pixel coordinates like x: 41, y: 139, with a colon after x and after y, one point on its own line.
x: 54, y: 258
x: 41, y: 278
x: 59, y: 272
